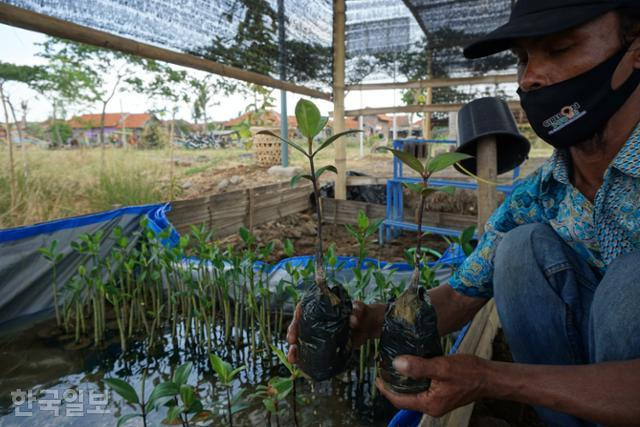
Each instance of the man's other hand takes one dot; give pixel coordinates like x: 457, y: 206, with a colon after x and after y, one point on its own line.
x: 455, y: 381
x: 365, y: 321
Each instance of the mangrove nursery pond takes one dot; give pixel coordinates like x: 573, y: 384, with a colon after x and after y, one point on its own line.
x: 189, y: 333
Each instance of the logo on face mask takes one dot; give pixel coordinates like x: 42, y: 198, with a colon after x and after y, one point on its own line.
x: 565, y: 117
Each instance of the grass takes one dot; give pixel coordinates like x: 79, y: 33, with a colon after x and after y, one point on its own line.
x: 63, y: 183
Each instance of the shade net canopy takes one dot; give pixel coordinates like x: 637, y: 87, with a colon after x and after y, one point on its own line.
x: 403, y: 40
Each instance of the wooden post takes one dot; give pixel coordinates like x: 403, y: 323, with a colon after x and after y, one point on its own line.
x: 338, y: 96
x: 361, y: 126
x: 487, y: 161
x: 426, y: 123
x: 453, y: 126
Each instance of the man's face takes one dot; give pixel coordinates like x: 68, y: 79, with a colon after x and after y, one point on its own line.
x: 543, y: 61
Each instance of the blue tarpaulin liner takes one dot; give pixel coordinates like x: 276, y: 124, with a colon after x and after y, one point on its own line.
x: 26, y: 276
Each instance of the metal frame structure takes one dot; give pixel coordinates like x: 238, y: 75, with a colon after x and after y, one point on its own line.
x: 394, y: 221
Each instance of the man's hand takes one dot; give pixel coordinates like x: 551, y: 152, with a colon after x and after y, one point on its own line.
x: 365, y: 321
x: 455, y: 381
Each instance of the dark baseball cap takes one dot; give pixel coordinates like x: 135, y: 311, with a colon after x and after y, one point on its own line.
x: 533, y: 18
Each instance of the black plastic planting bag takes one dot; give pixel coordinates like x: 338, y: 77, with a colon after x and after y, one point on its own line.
x: 411, y: 330
x: 324, y: 337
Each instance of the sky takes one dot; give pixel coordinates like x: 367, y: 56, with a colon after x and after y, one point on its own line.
x: 19, y: 46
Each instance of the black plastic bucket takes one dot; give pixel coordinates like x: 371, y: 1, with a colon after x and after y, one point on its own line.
x: 491, y: 117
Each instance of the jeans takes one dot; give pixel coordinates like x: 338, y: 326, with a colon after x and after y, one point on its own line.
x: 556, y: 310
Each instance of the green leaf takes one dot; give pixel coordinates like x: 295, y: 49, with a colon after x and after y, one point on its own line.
x: 269, y: 405
x: 173, y: 413
x: 406, y: 158
x: 292, y: 144
x: 221, y: 367
x: 308, y: 118
x: 123, y: 419
x: 363, y: 220
x: 238, y: 402
x: 332, y: 138
x: 324, y: 169
x: 414, y: 186
x: 181, y: 375
x: 450, y: 190
x: 187, y: 394
x: 282, y: 357
x: 162, y: 393
x: 283, y: 386
x: 467, y: 248
x: 288, y: 248
x: 352, y: 231
x: 236, y: 371
x: 467, y: 234
x: 201, y: 416
x: 123, y: 389
x: 322, y: 124
x: 239, y: 407
x: 296, y: 178
x: 444, y: 160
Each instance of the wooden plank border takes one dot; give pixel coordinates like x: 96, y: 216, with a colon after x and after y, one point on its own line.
x: 346, y: 212
x: 225, y: 213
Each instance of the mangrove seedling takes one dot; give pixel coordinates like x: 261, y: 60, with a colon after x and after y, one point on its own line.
x: 181, y: 398
x: 226, y: 374
x: 410, y: 324
x: 464, y: 239
x: 324, y: 339
x: 288, y: 385
x: 54, y: 257
x: 364, y: 229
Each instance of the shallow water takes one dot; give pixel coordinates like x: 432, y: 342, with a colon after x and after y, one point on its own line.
x: 44, y: 368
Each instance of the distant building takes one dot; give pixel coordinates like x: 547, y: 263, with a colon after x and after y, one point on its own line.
x: 86, y: 128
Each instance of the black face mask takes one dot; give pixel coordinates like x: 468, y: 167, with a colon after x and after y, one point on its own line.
x: 572, y: 111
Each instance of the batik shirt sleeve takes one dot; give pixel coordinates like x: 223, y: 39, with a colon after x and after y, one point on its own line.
x: 475, y: 275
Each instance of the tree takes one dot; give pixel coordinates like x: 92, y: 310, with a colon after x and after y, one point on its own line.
x: 203, y: 89
x: 22, y: 74
x: 99, y: 73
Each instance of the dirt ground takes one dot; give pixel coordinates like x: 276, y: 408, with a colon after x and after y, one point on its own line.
x: 301, y: 230
x: 248, y: 174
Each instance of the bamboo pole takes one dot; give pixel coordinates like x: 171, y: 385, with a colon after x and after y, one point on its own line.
x: 487, y: 170
x: 426, y: 122
x: 338, y: 96
x: 18, y: 17
x: 444, y: 82
x: 418, y: 108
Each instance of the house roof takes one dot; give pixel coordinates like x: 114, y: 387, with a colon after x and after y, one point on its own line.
x: 349, y: 123
x: 385, y: 118
x: 90, y: 121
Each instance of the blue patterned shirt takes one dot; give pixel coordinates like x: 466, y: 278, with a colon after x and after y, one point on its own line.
x: 599, y: 232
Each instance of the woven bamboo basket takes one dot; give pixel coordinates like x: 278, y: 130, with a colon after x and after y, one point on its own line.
x: 266, y: 149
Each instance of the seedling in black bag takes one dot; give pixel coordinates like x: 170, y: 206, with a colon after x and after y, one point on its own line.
x: 410, y: 323
x: 324, y: 339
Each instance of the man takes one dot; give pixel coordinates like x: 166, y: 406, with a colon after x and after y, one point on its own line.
x: 560, y: 255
